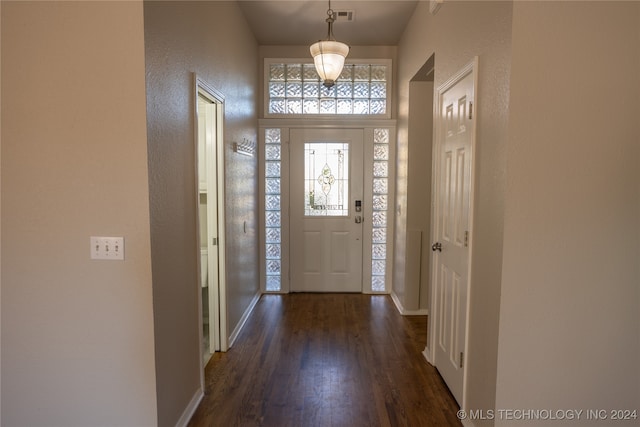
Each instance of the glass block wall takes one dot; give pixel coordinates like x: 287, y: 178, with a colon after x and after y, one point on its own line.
x: 380, y: 184
x: 295, y: 89
x: 273, y: 208
x: 380, y: 209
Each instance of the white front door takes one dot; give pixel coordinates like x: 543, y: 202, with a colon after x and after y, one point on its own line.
x: 326, y: 208
x: 451, y: 248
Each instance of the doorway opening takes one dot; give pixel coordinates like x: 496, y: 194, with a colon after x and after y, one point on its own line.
x: 414, y: 256
x: 327, y: 207
x: 209, y: 116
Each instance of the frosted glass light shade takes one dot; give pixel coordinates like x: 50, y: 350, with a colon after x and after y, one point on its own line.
x: 328, y: 57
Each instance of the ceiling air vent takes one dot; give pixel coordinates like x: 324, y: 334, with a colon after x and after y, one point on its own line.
x: 345, y: 15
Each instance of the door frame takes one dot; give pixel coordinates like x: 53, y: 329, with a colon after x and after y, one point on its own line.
x: 368, y: 125
x: 201, y: 87
x: 429, y: 351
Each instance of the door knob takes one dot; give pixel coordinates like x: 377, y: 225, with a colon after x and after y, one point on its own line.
x: 437, y: 246
x: 358, y: 219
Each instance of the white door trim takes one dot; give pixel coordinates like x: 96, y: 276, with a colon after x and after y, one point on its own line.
x: 203, y: 88
x: 429, y: 351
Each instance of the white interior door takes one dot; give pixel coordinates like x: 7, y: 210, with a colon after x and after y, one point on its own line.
x: 451, y: 249
x: 210, y: 178
x: 208, y: 221
x: 326, y: 210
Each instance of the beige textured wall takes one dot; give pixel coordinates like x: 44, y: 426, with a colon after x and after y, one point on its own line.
x: 211, y: 39
x: 77, y: 338
x: 457, y: 33
x: 570, y: 323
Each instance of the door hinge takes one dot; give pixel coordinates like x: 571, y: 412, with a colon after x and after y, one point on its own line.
x: 470, y: 110
x: 461, y: 359
x: 466, y: 239
x: 215, y: 241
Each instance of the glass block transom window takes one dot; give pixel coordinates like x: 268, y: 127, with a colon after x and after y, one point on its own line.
x: 380, y: 209
x: 273, y: 209
x: 296, y: 89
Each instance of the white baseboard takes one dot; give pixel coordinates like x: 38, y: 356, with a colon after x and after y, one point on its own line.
x: 404, y: 312
x: 190, y: 409
x: 427, y: 355
x: 421, y: 312
x: 197, y: 397
x: 397, y: 302
x: 243, y: 319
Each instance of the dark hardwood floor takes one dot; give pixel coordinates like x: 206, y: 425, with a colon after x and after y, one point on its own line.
x: 328, y: 360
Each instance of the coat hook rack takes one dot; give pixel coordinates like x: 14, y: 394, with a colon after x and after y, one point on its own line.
x: 246, y: 147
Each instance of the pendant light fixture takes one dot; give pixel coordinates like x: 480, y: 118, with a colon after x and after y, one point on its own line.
x: 328, y: 55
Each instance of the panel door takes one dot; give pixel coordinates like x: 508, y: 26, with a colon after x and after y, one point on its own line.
x: 326, y: 182
x: 452, y: 232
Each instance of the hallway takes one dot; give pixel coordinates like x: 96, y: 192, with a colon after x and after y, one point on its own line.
x: 326, y: 360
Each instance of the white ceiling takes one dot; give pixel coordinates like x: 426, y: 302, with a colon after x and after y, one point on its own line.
x: 302, y: 22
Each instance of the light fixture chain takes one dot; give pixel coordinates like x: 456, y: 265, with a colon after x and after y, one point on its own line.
x: 329, y: 61
x: 330, y: 20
